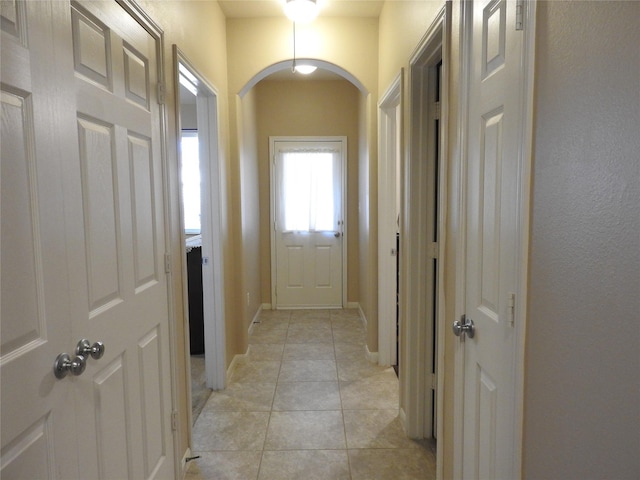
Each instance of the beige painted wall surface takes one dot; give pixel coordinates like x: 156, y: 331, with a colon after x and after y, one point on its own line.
x: 402, y: 26
x: 582, y: 403
x: 251, y: 258
x: 256, y: 43
x: 308, y: 108
x: 199, y: 30
x: 368, y: 218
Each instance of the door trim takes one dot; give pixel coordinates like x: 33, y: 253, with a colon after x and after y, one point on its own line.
x: 458, y: 191
x: 211, y: 231
x: 390, y: 150
x: 416, y: 318
x: 272, y: 206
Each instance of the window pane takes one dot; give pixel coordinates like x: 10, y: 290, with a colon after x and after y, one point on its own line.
x: 190, y: 182
x: 307, y: 191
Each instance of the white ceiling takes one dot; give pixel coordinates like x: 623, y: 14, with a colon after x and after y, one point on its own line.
x: 273, y: 8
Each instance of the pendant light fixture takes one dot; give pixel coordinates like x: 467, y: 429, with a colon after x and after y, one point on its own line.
x: 304, y: 68
x: 301, y: 11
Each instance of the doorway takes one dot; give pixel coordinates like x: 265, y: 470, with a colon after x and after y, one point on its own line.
x: 201, y: 206
x: 308, y: 244
x: 424, y: 211
x: 390, y: 153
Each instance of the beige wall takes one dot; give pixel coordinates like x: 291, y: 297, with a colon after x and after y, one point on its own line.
x: 249, y: 259
x: 582, y: 402
x: 191, y: 25
x: 308, y: 108
x: 402, y: 26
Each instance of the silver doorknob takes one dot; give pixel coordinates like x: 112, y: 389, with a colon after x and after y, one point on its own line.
x: 337, y: 234
x: 464, y: 325
x: 85, y: 349
x: 64, y: 365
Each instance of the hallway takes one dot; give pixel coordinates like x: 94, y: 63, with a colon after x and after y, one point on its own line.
x: 306, y: 403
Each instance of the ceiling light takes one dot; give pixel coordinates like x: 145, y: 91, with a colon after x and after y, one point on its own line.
x: 301, y: 11
x: 305, y: 69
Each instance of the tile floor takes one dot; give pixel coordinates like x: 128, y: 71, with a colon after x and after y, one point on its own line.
x: 305, y: 403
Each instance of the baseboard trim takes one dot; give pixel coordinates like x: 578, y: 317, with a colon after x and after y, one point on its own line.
x: 371, y: 356
x: 254, y: 320
x: 363, y: 317
x: 403, y: 420
x: 183, y: 463
x: 234, y: 363
x: 352, y: 305
x: 266, y: 306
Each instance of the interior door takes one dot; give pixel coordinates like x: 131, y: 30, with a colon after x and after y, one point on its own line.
x: 308, y: 223
x: 119, y: 274
x: 37, y: 414
x: 107, y: 161
x: 495, y: 130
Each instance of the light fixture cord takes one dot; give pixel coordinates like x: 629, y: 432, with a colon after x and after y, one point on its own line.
x: 293, y: 66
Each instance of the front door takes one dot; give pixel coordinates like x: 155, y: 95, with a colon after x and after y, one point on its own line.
x: 494, y: 182
x: 95, y: 213
x: 308, y: 227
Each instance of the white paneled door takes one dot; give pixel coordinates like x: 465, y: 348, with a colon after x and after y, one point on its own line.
x: 308, y: 222
x: 494, y: 182
x: 83, y: 242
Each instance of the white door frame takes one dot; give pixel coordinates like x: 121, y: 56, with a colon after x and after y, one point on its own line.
x: 211, y: 230
x: 522, y: 235
x: 272, y: 206
x: 416, y: 381
x: 390, y: 136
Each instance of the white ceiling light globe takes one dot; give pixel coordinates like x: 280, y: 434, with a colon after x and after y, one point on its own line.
x: 305, y: 69
x: 301, y: 11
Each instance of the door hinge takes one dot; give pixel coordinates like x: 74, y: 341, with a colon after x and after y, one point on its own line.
x: 174, y: 420
x: 161, y: 94
x: 436, y: 111
x: 432, y: 250
x: 519, y: 15
x: 167, y: 263
x: 511, y: 307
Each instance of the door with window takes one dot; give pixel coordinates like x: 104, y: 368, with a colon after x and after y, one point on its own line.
x: 308, y: 222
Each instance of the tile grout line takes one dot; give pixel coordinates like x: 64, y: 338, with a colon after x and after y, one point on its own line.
x: 344, y: 425
x: 273, y: 399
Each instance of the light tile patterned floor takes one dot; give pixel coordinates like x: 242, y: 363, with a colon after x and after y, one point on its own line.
x: 307, y: 404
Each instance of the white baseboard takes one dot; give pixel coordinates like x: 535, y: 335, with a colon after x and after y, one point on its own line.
x: 371, y: 356
x: 255, y: 319
x: 234, y: 363
x: 352, y: 305
x: 183, y: 462
x: 403, y: 420
x: 363, y: 317
x: 266, y: 306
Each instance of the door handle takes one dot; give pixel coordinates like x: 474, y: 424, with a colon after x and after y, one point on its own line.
x: 336, y: 234
x: 64, y: 365
x: 84, y: 348
x: 464, y: 326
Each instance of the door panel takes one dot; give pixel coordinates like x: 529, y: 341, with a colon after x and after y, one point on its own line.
x: 37, y: 414
x: 122, y: 208
x: 83, y: 242
x: 495, y: 118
